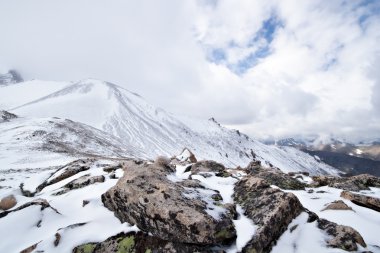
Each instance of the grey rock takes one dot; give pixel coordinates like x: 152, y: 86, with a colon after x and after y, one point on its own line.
x: 145, y: 197
x: 270, y: 209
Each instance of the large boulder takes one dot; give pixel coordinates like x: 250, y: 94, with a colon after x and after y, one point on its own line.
x: 182, y: 212
x: 270, y: 209
x: 354, y: 183
x: 362, y: 200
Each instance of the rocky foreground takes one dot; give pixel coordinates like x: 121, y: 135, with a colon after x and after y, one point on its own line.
x: 182, y: 205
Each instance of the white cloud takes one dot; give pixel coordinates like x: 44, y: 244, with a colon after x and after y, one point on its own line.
x: 318, y: 73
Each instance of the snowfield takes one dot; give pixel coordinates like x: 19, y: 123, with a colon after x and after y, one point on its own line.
x: 145, y: 130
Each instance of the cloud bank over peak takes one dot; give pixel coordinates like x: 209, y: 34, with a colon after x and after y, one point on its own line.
x: 270, y: 68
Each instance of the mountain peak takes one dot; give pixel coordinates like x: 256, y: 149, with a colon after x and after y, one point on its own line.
x: 10, y: 78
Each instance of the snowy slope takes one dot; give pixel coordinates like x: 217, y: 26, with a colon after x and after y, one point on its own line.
x: 143, y: 127
x: 40, y: 142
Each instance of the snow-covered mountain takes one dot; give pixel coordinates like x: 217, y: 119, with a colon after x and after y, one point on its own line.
x: 144, y: 129
x: 10, y: 78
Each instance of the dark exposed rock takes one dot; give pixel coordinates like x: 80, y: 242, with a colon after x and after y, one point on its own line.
x: 62, y: 173
x: 57, y: 239
x: 6, y: 116
x: 85, y: 202
x: 42, y: 202
x: 337, y: 205
x: 271, y: 209
x: 362, y: 200
x: 139, y: 243
x: 146, y: 197
x: 343, y: 237
x: 293, y: 228
x: 30, y: 249
x: 355, y: 183
x: 81, y: 182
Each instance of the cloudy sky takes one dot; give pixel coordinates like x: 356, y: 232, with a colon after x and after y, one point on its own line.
x: 272, y: 68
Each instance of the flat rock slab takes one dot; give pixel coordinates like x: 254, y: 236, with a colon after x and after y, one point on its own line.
x: 169, y: 210
x: 362, y: 200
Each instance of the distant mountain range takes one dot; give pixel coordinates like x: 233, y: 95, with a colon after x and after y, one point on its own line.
x: 353, y: 159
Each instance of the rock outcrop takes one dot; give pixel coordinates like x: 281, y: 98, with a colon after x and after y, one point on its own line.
x: 355, y: 183
x: 362, y: 200
x: 139, y: 243
x: 270, y: 209
x: 62, y: 173
x: 175, y: 211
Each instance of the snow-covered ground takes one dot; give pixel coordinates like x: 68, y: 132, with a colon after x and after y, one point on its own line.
x: 76, y: 224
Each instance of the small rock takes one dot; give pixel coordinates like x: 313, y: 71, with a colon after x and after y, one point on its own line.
x: 57, y: 239
x: 81, y: 182
x: 8, y: 202
x: 337, y: 205
x: 293, y: 228
x: 85, y: 202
